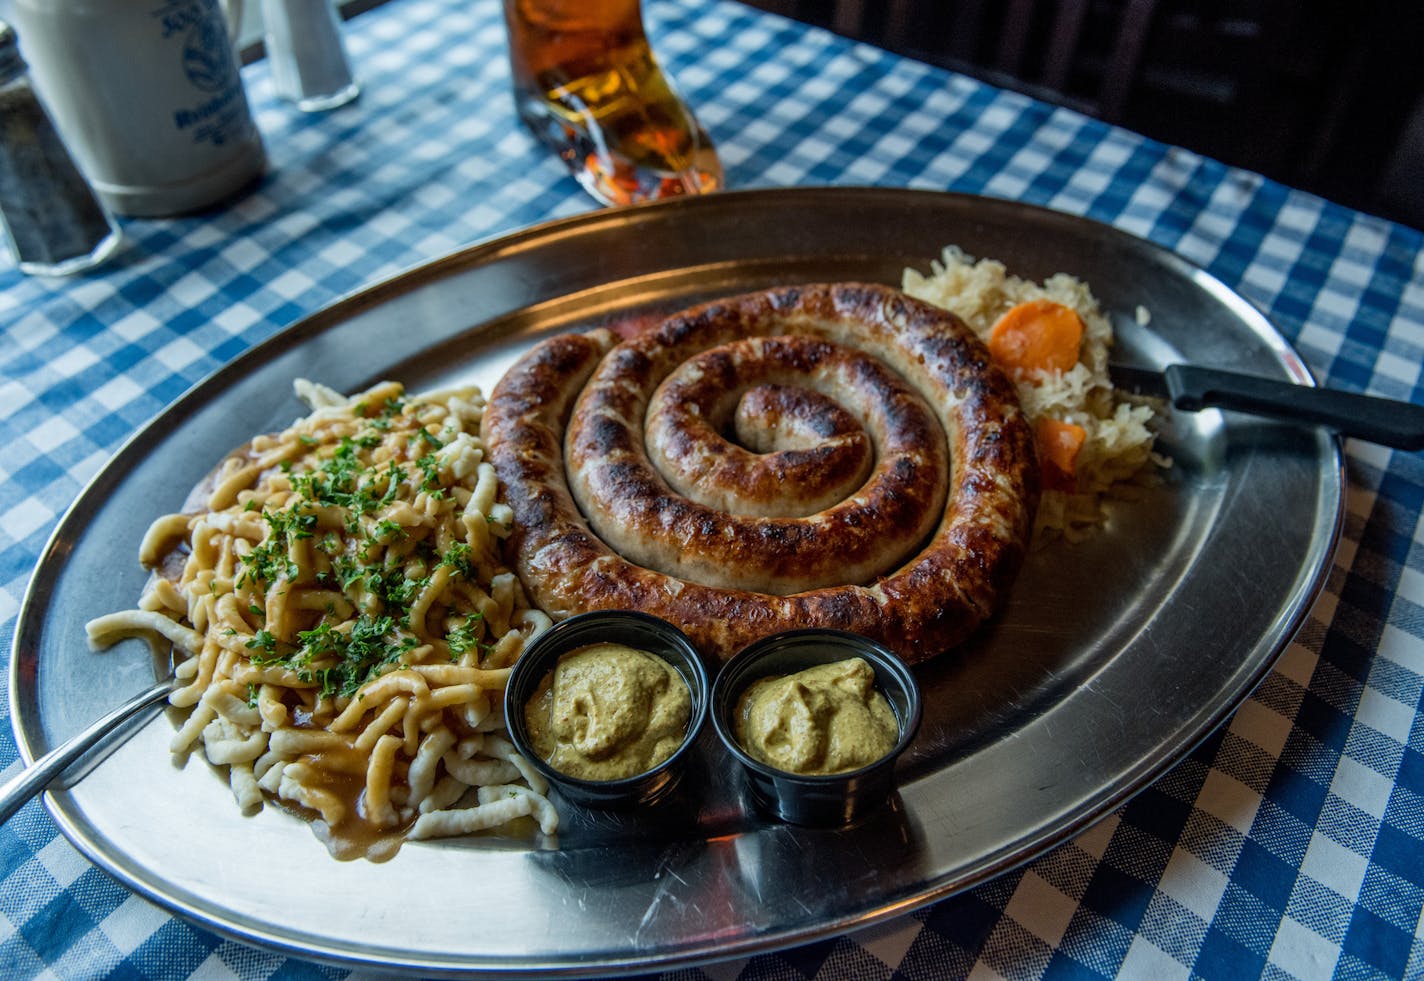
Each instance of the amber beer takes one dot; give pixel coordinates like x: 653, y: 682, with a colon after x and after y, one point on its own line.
x: 587, y: 84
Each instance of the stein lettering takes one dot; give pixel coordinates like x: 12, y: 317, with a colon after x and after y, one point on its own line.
x: 184, y: 118
x: 177, y: 18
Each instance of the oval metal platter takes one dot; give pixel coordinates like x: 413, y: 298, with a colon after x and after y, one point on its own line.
x: 1112, y: 659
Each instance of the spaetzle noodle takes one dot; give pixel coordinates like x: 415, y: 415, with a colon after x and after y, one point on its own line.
x: 344, y: 624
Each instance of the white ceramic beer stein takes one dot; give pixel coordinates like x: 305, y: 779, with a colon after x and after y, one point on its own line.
x: 148, y: 96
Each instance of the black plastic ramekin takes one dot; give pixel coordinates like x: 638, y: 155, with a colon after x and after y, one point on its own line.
x: 830, y: 799
x: 638, y: 630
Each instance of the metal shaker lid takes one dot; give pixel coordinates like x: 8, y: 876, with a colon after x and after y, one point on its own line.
x: 11, y: 64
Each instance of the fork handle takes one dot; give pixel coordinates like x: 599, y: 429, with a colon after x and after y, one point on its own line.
x: 39, y: 774
x: 1379, y: 420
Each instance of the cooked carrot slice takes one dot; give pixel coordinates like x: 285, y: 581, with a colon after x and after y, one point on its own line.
x: 1058, y: 446
x: 1037, y: 335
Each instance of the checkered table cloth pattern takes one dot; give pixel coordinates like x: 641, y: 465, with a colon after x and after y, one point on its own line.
x: 1289, y: 845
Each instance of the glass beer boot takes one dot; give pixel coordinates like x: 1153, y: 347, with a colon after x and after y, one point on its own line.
x: 587, y: 84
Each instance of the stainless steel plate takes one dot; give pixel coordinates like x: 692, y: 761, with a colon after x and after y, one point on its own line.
x: 1112, y: 659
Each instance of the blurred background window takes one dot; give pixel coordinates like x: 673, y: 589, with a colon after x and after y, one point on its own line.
x: 1318, y: 94
x: 1321, y: 95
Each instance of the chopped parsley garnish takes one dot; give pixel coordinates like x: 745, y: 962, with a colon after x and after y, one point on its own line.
x: 464, y: 636
x: 266, y: 643
x: 430, y: 466
x: 457, y: 557
x: 360, y: 654
x: 382, y: 582
x: 427, y: 437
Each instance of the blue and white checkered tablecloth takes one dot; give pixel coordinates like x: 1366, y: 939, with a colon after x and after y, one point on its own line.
x: 1289, y: 845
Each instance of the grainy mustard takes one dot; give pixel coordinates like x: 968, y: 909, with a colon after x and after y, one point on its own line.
x: 825, y: 719
x: 608, y: 711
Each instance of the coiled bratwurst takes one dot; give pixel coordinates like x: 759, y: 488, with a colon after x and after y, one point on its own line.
x: 832, y: 455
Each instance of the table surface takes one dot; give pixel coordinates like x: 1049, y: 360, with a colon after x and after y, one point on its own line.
x: 1289, y: 844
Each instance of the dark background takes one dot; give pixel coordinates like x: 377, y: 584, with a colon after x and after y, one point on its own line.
x: 1323, y: 95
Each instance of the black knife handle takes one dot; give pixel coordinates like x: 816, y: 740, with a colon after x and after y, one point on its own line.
x: 1379, y: 420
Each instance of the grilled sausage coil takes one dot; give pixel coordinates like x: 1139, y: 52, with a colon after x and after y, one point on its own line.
x: 830, y: 455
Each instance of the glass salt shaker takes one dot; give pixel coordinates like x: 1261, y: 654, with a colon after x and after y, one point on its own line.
x: 54, y: 223
x: 308, y: 54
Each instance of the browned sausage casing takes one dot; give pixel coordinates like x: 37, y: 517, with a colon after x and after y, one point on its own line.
x: 834, y: 455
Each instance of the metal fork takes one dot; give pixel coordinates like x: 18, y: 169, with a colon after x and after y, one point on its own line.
x: 40, y: 774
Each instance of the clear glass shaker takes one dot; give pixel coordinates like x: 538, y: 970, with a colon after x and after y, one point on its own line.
x: 54, y: 222
x: 307, y: 51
